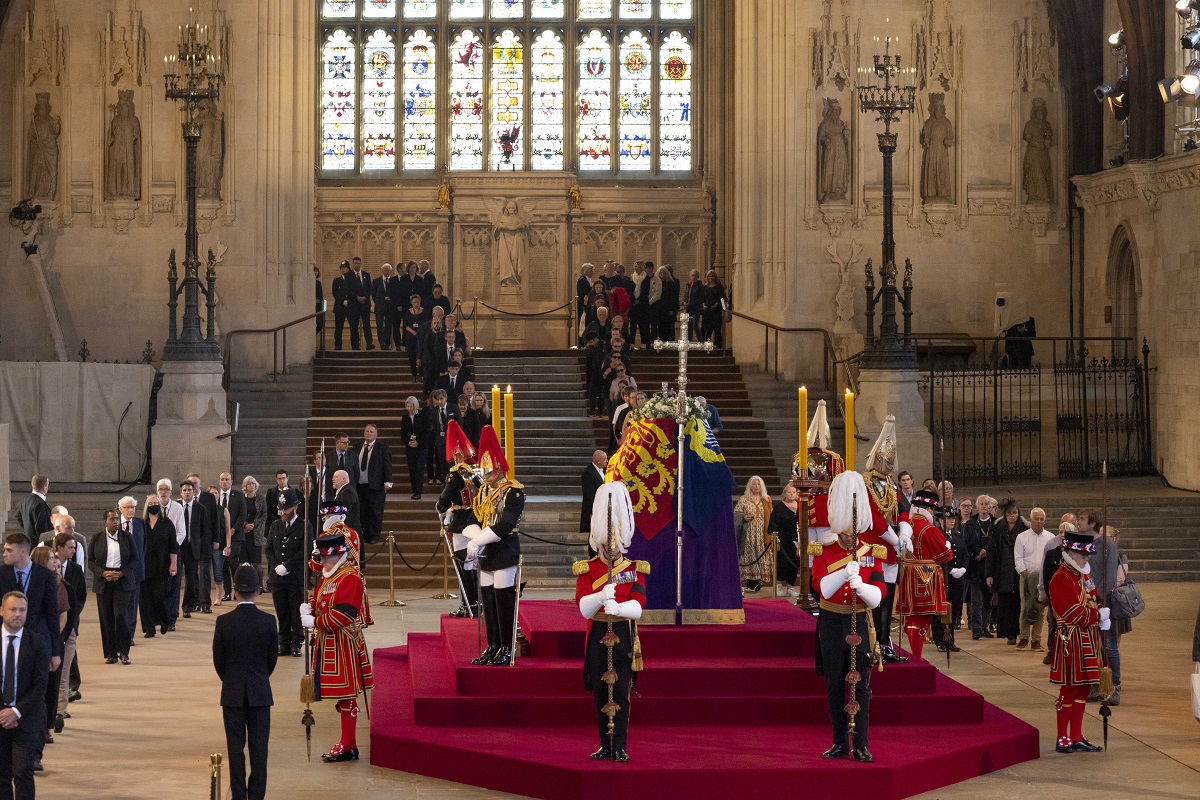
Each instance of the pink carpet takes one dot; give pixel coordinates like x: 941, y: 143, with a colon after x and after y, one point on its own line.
x: 721, y: 709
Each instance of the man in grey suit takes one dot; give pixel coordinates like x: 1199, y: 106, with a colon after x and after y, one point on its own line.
x: 34, y: 513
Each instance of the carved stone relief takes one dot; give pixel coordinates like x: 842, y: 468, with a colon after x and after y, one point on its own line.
x: 41, y: 166
x: 123, y: 165
x: 937, y: 165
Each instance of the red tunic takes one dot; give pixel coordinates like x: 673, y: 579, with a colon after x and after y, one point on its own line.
x: 353, y: 558
x: 922, y: 585
x: 1075, y: 652
x: 341, y: 666
x: 831, y: 559
x: 629, y: 577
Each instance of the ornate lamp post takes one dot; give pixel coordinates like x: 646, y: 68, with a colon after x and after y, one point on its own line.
x: 193, y: 76
x: 888, y: 100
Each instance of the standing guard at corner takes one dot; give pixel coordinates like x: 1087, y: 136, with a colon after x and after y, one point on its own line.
x: 334, y: 521
x: 922, y: 594
x: 895, y: 540
x: 454, y: 509
x: 494, y: 541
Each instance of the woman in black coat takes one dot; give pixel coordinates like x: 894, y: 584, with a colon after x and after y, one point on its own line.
x: 783, y: 523
x: 712, y: 320
x: 414, y: 433
x: 162, y: 561
x: 1000, y: 570
x: 669, y: 307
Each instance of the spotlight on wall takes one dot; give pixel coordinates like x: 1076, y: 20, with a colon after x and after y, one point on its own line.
x: 1170, y: 89
x: 1117, y: 39
x: 1116, y: 95
x: 1190, y: 39
x: 1189, y: 81
x: 1184, y: 8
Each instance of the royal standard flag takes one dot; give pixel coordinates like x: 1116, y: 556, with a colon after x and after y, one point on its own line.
x: 707, y: 481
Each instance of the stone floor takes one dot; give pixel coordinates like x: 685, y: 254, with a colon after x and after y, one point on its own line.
x: 146, y: 730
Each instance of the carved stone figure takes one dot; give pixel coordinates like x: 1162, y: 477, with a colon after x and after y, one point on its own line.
x: 510, y: 231
x: 576, y: 196
x: 444, y: 195
x: 937, y: 137
x: 833, y: 155
x: 1037, y: 173
x: 123, y: 168
x: 41, y: 179
x: 210, y: 155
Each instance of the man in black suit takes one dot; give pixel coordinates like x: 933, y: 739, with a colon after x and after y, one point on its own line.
x: 233, y: 501
x: 346, y: 495
x: 374, y: 480
x: 439, y: 418
x: 73, y: 576
x: 450, y: 323
x: 591, y: 480
x: 274, y: 494
x: 639, y: 309
x: 216, y: 538
x: 341, y: 302
x: 196, y: 547
x: 136, y: 528
x: 112, y: 558
x: 385, y: 292
x: 21, y: 574
x: 359, y: 298
x: 431, y: 344
x: 34, y: 513
x: 451, y: 383
x: 24, y: 673
x: 340, y: 459
x: 286, y: 552
x: 245, y: 651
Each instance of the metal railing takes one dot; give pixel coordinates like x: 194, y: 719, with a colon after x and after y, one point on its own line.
x: 499, y: 313
x: 279, y: 337
x: 830, y: 362
x: 939, y: 348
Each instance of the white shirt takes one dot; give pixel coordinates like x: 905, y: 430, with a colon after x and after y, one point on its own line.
x: 223, y: 500
x: 4, y: 634
x: 113, y: 559
x: 366, y: 449
x: 174, y: 512
x: 186, y: 513
x: 1030, y: 549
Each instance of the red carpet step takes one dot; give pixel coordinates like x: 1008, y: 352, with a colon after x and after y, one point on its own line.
x: 721, y: 709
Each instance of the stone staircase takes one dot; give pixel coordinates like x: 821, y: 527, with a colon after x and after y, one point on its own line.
x: 271, y: 425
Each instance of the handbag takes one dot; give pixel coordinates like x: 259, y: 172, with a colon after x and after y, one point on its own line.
x: 1126, y: 600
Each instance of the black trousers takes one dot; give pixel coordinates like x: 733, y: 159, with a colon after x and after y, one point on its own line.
x: 437, y: 458
x: 955, y: 587
x: 470, y: 581
x: 191, y: 594
x: 112, y: 603
x: 370, y: 504
x: 51, y: 697
x: 247, y: 724
x: 19, y: 749
x: 883, y: 616
x: 134, y: 599
x: 359, y: 316
x: 595, y: 665
x: 339, y: 324
x: 639, y: 324
x: 385, y: 327
x: 832, y: 630
x: 713, y: 327
x: 154, y: 604
x: 287, y: 598
x: 410, y: 347
x: 1008, y: 615
x: 416, y: 457
x: 252, y: 554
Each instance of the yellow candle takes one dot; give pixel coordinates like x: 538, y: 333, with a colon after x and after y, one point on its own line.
x: 849, y: 417
x: 497, y: 412
x: 803, y: 394
x: 509, y: 449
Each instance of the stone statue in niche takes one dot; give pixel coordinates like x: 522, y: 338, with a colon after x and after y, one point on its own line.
x: 937, y: 137
x: 123, y: 168
x: 210, y: 154
x: 41, y: 179
x: 1037, y: 173
x: 509, y: 233
x: 833, y: 155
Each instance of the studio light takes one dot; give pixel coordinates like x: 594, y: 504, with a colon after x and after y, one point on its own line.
x: 1189, y: 82
x: 1190, y: 40
x: 1117, y: 39
x: 1184, y: 8
x: 1169, y: 89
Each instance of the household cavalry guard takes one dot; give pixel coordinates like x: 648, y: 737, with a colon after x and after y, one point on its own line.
x: 454, y: 510
x: 849, y: 577
x: 495, y: 544
x: 889, y: 528
x: 922, y: 584
x: 1077, y: 660
x: 610, y: 591
x: 823, y: 466
x: 333, y: 520
x: 341, y: 666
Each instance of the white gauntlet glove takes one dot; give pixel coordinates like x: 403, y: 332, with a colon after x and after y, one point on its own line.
x: 855, y: 582
x: 472, y: 550
x: 958, y: 572
x: 1105, y: 619
x: 609, y: 592
x: 612, y: 608
x: 281, y: 570
x: 852, y: 569
x: 305, y: 608
x: 308, y: 621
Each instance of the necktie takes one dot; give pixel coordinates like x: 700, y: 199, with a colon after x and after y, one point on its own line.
x: 10, y: 672
x: 23, y: 577
x: 341, y: 460
x: 366, y: 457
x: 224, y: 499
x: 187, y: 520
x: 125, y: 526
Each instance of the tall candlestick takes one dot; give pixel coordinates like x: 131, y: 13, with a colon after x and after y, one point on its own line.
x: 849, y: 418
x: 509, y: 450
x: 497, y: 411
x: 803, y: 393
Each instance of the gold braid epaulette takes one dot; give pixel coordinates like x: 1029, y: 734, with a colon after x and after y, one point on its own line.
x: 886, y: 501
x: 464, y: 469
x: 815, y: 548
x: 580, y: 567
x: 878, y: 551
x: 642, y: 567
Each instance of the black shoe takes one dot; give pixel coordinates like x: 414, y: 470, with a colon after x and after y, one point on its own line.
x: 187, y: 615
x: 414, y: 497
x: 206, y: 610
x: 1047, y: 659
x: 1063, y: 748
x: 503, y: 658
x: 58, y: 723
x: 345, y: 755
x: 1084, y: 746
x: 124, y: 658
x: 75, y: 695
x: 837, y: 751
x: 110, y: 660
x: 620, y: 756
x: 863, y: 754
x: 459, y: 612
x: 285, y: 651
x: 37, y: 766
x: 603, y: 754
x: 486, y: 656
x: 1012, y: 640
x: 941, y: 648
x: 67, y: 715
x: 225, y: 598
x: 149, y: 635
x: 170, y: 627
x: 953, y: 648
x: 976, y: 636
x: 297, y: 650
x: 892, y: 657
x: 988, y: 635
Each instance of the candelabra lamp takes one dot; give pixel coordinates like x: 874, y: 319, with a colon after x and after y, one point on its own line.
x: 193, y: 76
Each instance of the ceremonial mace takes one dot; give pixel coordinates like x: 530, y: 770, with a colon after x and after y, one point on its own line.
x: 610, y: 641
x: 1106, y: 683
x: 948, y: 626
x: 853, y: 639
x: 308, y: 691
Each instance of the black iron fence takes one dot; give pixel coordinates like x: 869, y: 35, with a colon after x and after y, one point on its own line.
x: 1103, y: 409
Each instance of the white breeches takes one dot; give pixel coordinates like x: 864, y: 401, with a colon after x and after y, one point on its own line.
x: 501, y: 579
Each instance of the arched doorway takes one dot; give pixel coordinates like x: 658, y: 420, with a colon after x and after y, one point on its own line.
x: 1124, y: 288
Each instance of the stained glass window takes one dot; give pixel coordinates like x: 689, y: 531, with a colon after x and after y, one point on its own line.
x: 634, y: 102
x: 595, y: 9
x: 420, y: 104
x: 420, y: 9
x: 337, y: 102
x: 546, y: 9
x: 508, y: 87
x: 546, y: 100
x: 466, y: 102
x: 595, y: 117
x: 466, y: 9
x: 675, y: 103
x: 636, y: 9
x: 508, y: 9
x: 379, y: 102
x: 337, y: 9
x: 675, y: 9
x: 379, y: 9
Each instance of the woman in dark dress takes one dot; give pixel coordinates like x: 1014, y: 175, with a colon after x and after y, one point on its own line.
x: 414, y: 433
x: 783, y: 523
x: 712, y: 321
x: 254, y: 529
x: 477, y: 417
x: 669, y: 309
x: 1000, y: 569
x: 414, y: 317
x: 162, y: 557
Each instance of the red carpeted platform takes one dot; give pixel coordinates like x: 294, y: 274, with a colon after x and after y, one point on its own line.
x: 724, y: 711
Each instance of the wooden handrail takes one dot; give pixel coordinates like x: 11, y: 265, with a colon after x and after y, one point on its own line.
x: 830, y: 352
x: 227, y: 350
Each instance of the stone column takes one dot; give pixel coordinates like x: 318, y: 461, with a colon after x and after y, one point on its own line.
x: 191, y: 415
x: 5, y: 478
